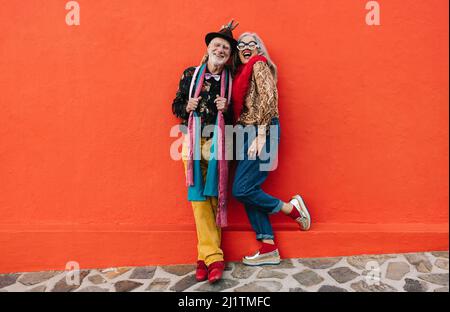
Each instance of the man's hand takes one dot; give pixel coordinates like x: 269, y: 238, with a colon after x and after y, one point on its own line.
x: 221, y: 103
x: 192, y: 104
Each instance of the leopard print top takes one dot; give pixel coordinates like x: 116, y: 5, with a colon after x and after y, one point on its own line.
x: 261, y: 102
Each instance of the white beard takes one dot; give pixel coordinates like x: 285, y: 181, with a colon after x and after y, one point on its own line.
x: 217, y: 61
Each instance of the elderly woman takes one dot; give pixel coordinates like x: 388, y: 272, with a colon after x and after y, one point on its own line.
x: 255, y: 101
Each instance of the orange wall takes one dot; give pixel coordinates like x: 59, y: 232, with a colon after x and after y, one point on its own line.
x: 85, y: 114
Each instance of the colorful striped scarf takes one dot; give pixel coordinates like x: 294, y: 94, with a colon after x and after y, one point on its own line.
x: 215, y: 186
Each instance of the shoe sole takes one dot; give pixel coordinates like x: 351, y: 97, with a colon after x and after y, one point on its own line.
x: 304, y: 209
x: 261, y: 264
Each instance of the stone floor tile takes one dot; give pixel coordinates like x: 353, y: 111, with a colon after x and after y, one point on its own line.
x: 284, y: 264
x: 265, y: 273
x: 184, y: 283
x: 308, y: 278
x: 413, y: 285
x: 63, y: 286
x: 8, y: 279
x: 96, y: 279
x: 436, y: 278
x: 361, y: 262
x: 397, y: 270
x: 441, y: 263
x: 179, y: 270
x: 159, y: 284
x: 363, y: 286
x: 242, y: 271
x: 297, y: 289
x: 221, y: 285
x: 420, y: 261
x: 126, y: 286
x: 93, y: 289
x: 112, y: 273
x: 40, y: 288
x: 319, y: 263
x: 440, y: 254
x: 329, y: 288
x: 29, y: 279
x: 260, y: 286
x: 143, y: 273
x: 343, y: 274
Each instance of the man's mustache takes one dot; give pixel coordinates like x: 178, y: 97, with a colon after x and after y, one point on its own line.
x: 217, y: 60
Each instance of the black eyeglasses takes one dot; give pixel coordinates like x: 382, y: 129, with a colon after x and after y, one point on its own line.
x: 252, y: 45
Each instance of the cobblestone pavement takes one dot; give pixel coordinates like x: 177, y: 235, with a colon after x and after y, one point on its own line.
x: 411, y: 272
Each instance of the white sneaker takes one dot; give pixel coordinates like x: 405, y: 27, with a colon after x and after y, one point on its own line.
x: 305, y: 219
x: 269, y: 258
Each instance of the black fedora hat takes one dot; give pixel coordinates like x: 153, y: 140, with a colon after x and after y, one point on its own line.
x: 225, y: 33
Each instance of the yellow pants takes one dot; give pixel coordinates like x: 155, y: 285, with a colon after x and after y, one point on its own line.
x: 208, y: 233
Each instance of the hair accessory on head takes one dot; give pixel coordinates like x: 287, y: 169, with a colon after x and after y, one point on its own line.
x: 226, y: 32
x: 231, y: 26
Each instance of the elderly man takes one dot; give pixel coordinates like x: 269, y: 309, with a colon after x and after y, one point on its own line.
x: 203, y: 99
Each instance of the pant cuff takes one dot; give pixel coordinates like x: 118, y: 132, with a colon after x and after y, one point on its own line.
x: 264, y: 236
x: 213, y: 258
x: 277, y: 208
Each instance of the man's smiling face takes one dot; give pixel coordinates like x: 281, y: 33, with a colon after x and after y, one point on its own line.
x: 219, y: 51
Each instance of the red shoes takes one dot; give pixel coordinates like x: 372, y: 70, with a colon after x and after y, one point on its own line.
x: 215, y: 271
x: 201, y: 274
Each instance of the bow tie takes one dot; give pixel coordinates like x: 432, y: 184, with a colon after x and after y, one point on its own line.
x: 208, y: 76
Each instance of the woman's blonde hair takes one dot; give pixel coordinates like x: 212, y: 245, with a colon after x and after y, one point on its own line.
x: 262, y: 50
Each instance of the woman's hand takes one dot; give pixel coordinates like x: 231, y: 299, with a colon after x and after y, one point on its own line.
x: 221, y: 103
x: 192, y: 104
x: 256, y: 146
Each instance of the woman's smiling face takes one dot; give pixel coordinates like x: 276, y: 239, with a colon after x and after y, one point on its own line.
x: 248, y: 47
